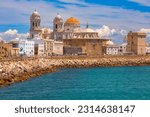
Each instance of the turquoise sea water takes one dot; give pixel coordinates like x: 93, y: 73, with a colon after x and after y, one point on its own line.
x: 100, y: 83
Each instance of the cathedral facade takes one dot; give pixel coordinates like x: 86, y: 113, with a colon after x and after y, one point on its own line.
x: 61, y: 30
x: 70, y: 33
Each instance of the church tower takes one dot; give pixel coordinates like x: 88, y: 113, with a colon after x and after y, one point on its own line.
x: 58, y: 28
x: 35, y: 24
x: 136, y: 43
x: 57, y: 23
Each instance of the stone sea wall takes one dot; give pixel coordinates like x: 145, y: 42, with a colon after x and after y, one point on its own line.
x: 18, y: 70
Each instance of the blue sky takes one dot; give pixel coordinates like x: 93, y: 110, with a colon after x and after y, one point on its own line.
x: 126, y: 4
x: 112, y: 17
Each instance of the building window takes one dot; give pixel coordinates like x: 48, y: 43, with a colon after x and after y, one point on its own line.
x: 56, y: 26
x: 33, y: 24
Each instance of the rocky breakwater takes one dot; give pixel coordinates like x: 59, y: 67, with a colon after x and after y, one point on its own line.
x: 101, y: 61
x: 12, y: 71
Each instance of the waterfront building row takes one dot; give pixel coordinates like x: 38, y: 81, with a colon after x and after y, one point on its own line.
x: 39, y: 47
x: 29, y: 47
x: 77, y: 40
x: 68, y: 38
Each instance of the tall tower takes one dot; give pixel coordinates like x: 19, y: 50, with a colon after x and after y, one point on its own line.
x: 136, y: 43
x: 35, y: 24
x: 58, y: 28
x: 57, y: 23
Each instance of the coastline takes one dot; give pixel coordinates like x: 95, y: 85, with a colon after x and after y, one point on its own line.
x: 21, y: 69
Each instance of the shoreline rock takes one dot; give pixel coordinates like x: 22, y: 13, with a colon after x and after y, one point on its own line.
x: 19, y: 70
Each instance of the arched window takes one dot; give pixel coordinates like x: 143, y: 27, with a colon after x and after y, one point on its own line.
x: 56, y: 26
x: 33, y: 24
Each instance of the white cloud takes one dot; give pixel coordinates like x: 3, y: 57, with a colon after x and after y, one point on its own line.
x: 123, y: 32
x: 142, y: 2
x: 12, y: 34
x: 105, y: 31
x: 116, y: 35
x: 147, y: 31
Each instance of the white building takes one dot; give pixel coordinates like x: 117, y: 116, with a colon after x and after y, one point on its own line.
x: 47, y: 47
x: 58, y: 48
x: 123, y: 49
x: 38, y: 46
x: 111, y: 48
x: 26, y: 47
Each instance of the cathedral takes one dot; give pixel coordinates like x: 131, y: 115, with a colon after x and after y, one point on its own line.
x: 61, y: 30
x: 75, y: 40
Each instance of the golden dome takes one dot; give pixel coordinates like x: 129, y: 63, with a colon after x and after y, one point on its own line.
x: 72, y: 20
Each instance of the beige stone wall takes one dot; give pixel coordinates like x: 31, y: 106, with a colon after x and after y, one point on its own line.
x: 35, y: 32
x: 58, y: 48
x: 89, y: 46
x: 48, y: 46
x: 5, y: 49
x: 93, y: 49
x: 15, y: 52
x: 136, y: 43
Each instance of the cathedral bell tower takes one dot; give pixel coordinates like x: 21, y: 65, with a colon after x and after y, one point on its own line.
x: 57, y: 23
x: 35, y: 24
x: 58, y: 27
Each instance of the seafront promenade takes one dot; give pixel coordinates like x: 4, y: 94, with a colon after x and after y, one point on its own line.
x: 21, y: 69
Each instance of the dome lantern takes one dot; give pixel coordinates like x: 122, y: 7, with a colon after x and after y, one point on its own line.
x: 35, y: 15
x: 58, y: 16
